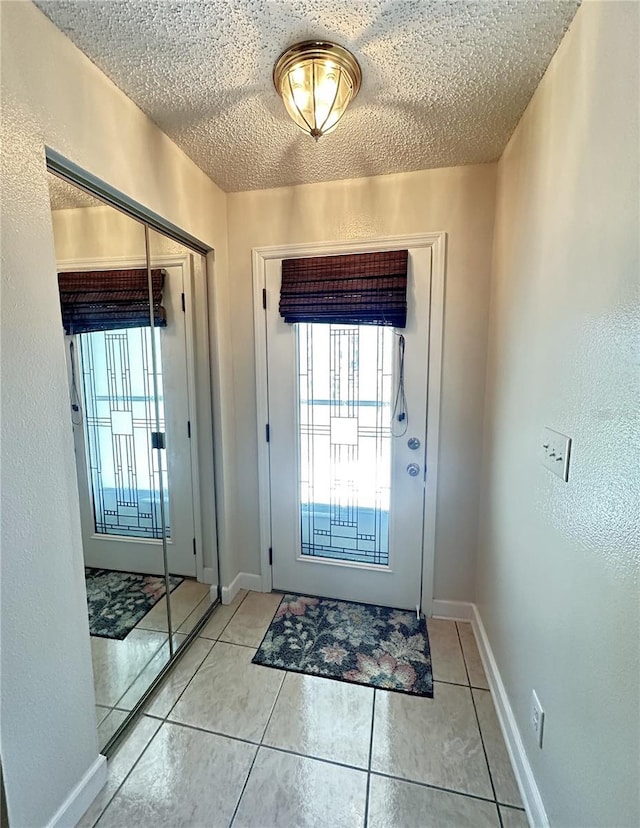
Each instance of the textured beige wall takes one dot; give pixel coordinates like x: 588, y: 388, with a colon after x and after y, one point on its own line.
x: 459, y: 201
x: 558, y: 565
x: 52, y: 95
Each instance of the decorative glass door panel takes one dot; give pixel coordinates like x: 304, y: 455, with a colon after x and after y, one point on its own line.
x: 118, y: 391
x: 347, y: 495
x: 345, y: 377
x: 119, y: 443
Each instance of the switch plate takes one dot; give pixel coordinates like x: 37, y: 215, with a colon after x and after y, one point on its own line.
x: 555, y: 450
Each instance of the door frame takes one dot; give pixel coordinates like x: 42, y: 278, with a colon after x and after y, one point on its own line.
x: 203, y: 575
x: 436, y: 242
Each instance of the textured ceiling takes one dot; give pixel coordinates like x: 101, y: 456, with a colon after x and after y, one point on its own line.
x: 444, y: 83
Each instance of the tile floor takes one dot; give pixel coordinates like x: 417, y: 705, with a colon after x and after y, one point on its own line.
x: 226, y: 742
x: 123, y: 670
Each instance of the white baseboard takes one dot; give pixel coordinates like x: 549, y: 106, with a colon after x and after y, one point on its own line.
x: 529, y: 790
x: 72, y: 809
x: 209, y: 575
x: 453, y: 610
x: 243, y: 580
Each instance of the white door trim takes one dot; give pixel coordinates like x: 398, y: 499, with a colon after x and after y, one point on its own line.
x: 168, y: 260
x: 260, y: 256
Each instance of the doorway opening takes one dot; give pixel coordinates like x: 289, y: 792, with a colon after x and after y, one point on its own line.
x: 348, y: 466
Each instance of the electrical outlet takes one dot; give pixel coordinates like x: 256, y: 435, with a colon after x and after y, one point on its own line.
x: 537, y: 717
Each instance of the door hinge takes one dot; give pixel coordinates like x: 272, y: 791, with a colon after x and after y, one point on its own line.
x: 194, y: 546
x: 270, y: 556
x: 184, y: 306
x: 264, y: 298
x: 158, y: 440
x: 189, y: 429
x: 267, y: 432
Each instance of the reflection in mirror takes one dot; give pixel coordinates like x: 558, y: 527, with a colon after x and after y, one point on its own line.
x: 104, y: 293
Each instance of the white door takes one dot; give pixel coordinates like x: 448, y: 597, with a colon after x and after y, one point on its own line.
x: 347, y: 480
x: 118, y: 475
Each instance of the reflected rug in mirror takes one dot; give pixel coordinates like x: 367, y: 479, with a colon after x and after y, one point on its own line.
x: 117, y: 601
x: 359, y: 643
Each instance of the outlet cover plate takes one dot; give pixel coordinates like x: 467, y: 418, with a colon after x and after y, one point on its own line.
x: 555, y: 450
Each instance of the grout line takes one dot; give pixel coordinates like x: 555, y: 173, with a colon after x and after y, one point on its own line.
x: 155, y: 654
x: 210, y: 732
x: 484, y: 749
x: 235, y: 644
x: 458, y: 684
x: 235, y: 810
x: 233, y: 614
x: 464, y: 660
x: 273, y: 707
x: 213, y: 641
x: 182, y: 692
x: 206, y: 598
x: 266, y: 746
x: 127, y: 775
x: 475, y: 645
x: 434, y: 787
x: 368, y: 788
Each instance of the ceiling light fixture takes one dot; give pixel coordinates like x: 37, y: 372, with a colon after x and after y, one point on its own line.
x: 317, y: 81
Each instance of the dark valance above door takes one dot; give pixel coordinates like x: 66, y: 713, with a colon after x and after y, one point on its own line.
x: 107, y: 300
x: 356, y: 289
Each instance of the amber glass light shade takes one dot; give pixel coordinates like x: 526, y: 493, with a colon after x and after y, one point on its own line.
x: 317, y: 81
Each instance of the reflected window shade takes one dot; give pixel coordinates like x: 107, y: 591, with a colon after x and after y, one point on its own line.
x: 109, y: 300
x: 358, y: 289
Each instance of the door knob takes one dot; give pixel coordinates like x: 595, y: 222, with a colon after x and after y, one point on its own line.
x: 413, y: 469
x: 413, y: 443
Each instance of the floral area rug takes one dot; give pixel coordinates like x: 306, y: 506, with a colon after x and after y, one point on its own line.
x: 117, y: 601
x: 360, y: 643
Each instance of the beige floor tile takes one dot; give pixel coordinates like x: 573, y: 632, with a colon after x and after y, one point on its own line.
x: 396, y: 804
x: 178, y: 678
x: 119, y: 766
x: 109, y: 725
x: 222, y: 614
x: 184, y: 599
x: 504, y: 780
x: 192, y: 619
x: 286, y: 790
x: 230, y: 695
x: 117, y: 664
x: 252, y: 619
x: 149, y: 674
x: 185, y: 778
x: 477, y: 675
x: 513, y: 819
x: 322, y: 718
x: 447, y: 662
x: 436, y: 741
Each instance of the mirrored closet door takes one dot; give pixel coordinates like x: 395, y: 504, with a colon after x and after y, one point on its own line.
x: 133, y: 306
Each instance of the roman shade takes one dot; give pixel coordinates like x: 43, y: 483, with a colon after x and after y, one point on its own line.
x: 107, y: 300
x: 357, y: 289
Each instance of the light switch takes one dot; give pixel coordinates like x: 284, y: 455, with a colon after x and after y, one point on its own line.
x: 555, y: 450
